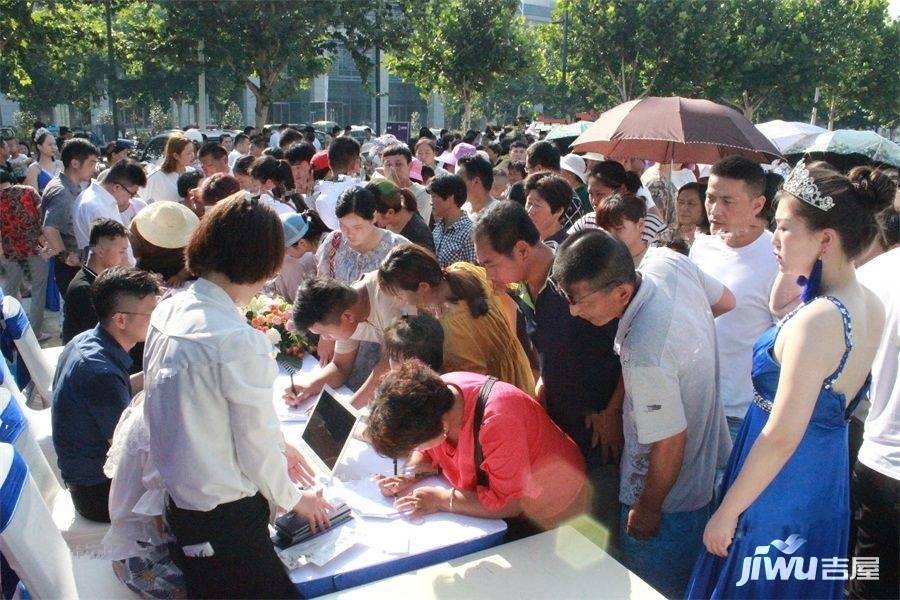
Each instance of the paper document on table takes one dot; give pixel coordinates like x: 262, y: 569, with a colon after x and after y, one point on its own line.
x: 287, y: 413
x: 397, y: 543
x: 320, y: 550
x: 366, y: 499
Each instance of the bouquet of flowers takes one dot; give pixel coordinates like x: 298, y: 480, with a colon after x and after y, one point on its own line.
x: 272, y: 316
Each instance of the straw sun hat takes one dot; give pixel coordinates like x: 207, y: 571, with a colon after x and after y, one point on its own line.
x: 166, y: 224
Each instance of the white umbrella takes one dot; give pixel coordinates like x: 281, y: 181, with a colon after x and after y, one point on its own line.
x: 784, y: 133
x: 848, y: 141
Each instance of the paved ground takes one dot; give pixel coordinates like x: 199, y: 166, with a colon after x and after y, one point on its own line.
x: 51, y: 325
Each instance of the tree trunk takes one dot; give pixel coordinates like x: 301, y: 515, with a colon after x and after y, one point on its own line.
x: 262, y: 111
x: 831, y: 115
x: 467, y: 108
x: 747, y: 108
x: 263, y: 94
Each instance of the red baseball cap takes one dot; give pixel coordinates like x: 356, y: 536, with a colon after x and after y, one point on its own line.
x: 320, y: 160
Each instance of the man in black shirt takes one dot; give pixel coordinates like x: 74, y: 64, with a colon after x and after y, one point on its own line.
x: 108, y: 248
x: 580, y: 372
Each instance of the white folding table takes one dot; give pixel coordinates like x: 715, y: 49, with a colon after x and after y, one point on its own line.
x: 389, y: 546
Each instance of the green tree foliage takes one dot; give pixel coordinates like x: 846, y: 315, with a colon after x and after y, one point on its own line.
x: 153, y: 68
x: 515, y: 93
x: 458, y: 48
x: 47, y: 51
x: 159, y: 119
x: 232, y: 118
x: 857, y: 49
x: 624, y: 49
x: 758, y: 55
x: 16, y: 32
x: 763, y: 57
x: 273, y: 44
x: 23, y: 123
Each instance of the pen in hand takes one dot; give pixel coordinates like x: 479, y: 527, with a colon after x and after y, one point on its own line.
x: 293, y: 391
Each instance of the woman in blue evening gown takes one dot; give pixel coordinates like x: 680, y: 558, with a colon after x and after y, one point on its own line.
x: 46, y: 166
x: 781, y: 530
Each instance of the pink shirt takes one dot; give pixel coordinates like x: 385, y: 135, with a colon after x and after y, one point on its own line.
x: 526, y: 456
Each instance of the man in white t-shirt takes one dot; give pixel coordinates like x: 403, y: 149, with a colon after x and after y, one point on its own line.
x: 241, y: 148
x: 347, y: 314
x: 343, y: 158
x: 739, y: 254
x: 876, y: 475
x: 275, y: 138
x: 107, y: 200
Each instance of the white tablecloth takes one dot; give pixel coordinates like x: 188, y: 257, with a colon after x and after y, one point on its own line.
x: 387, y: 546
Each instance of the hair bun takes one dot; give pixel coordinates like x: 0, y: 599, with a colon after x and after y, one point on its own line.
x: 874, y: 189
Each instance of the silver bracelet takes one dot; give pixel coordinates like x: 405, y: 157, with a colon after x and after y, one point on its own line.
x: 452, y: 494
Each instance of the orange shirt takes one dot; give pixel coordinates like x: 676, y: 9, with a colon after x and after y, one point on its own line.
x: 526, y: 456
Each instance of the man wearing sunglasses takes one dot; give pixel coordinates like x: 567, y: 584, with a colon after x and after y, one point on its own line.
x: 107, y: 200
x: 579, y: 372
x: 675, y: 430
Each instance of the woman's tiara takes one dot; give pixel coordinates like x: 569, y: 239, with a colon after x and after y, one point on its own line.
x: 800, y: 184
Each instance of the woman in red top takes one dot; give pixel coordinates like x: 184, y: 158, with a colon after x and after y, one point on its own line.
x: 534, y: 470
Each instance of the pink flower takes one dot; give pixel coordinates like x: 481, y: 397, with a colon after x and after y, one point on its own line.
x: 289, y: 324
x: 276, y: 320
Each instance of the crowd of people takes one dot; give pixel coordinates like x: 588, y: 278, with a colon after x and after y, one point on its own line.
x: 701, y: 357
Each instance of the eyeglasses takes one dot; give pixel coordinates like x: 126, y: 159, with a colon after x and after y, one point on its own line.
x: 125, y: 312
x: 131, y: 194
x: 574, y: 301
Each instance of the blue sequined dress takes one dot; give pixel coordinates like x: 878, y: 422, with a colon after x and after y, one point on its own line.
x: 799, y: 525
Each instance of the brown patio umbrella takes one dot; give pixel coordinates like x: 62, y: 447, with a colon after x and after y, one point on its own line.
x: 675, y: 130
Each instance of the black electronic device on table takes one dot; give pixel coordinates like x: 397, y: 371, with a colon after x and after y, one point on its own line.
x: 323, y: 441
x: 328, y: 432
x: 292, y: 529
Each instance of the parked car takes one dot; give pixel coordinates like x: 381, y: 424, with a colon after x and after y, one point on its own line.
x: 358, y: 133
x: 325, y: 125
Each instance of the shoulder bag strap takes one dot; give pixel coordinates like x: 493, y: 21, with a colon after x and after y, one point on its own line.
x: 483, y: 394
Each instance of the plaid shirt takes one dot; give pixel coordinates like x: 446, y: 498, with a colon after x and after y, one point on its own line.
x: 454, y: 243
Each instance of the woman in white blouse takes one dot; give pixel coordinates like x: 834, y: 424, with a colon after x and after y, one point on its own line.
x: 214, y: 435
x: 162, y: 184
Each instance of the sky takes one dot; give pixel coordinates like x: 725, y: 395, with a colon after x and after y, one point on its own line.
x: 894, y: 8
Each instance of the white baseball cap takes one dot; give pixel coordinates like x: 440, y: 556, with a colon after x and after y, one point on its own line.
x: 574, y: 164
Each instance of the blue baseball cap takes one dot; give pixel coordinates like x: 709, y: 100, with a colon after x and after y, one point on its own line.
x: 295, y: 227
